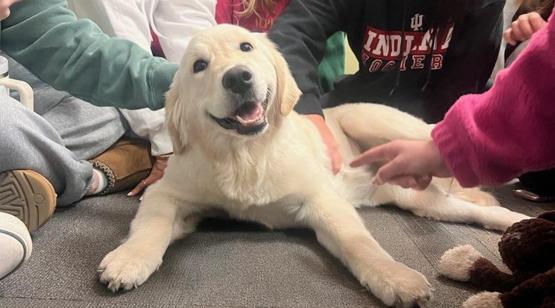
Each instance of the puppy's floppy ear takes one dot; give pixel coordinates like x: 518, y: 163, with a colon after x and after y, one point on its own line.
x: 174, y: 118
x: 288, y: 92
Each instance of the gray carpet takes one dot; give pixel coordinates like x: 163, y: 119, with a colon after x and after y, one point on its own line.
x: 230, y: 264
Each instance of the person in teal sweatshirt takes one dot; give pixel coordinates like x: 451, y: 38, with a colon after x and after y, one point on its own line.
x: 44, y: 154
x: 75, y: 56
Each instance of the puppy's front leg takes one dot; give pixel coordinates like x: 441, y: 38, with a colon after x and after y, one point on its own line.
x: 340, y: 229
x: 130, y: 264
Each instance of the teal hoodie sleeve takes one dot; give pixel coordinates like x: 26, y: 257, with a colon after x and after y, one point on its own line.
x: 333, y: 63
x: 75, y: 56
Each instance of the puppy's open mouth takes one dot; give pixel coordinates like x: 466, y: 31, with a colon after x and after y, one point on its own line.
x: 248, y: 119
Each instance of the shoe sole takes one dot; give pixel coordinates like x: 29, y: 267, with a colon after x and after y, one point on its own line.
x: 28, y: 196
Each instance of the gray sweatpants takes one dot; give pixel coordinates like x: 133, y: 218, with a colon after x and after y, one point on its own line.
x: 57, y: 138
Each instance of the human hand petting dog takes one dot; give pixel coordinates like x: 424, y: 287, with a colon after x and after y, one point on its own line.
x: 156, y: 173
x: 329, y: 141
x: 410, y: 164
x: 523, y: 28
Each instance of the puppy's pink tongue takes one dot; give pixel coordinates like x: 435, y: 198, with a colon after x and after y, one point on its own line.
x: 250, y: 113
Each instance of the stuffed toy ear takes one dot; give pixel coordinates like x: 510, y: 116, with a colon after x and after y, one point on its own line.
x: 288, y: 92
x: 457, y: 263
x: 484, y: 299
x: 174, y: 119
x: 465, y: 263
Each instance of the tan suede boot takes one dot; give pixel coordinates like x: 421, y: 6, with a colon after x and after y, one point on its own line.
x: 125, y: 164
x: 28, y: 196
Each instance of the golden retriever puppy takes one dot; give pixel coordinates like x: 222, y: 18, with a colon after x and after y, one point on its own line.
x: 240, y: 147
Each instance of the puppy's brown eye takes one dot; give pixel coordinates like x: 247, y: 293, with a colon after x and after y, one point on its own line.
x: 246, y: 47
x: 199, y: 65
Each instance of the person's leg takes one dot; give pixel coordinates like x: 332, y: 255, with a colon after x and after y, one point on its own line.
x: 44, y: 155
x: 30, y: 142
x: 85, y: 130
x: 92, y: 133
x: 95, y: 134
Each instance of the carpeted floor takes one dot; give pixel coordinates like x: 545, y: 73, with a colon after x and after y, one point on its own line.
x: 230, y: 264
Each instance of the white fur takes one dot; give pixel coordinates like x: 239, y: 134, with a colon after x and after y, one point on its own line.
x: 281, y: 177
x: 456, y: 262
x: 484, y: 300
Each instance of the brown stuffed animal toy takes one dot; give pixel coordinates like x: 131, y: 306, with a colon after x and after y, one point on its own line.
x: 528, y: 250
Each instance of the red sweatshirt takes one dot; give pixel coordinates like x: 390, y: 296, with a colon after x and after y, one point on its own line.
x: 229, y: 12
x: 493, y: 137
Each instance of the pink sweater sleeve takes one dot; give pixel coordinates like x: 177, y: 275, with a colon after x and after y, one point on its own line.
x: 493, y: 137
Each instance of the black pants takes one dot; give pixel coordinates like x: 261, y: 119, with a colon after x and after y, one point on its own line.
x: 541, y: 182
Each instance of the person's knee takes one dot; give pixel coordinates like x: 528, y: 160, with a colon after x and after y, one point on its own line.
x: 14, y: 126
x: 11, y: 118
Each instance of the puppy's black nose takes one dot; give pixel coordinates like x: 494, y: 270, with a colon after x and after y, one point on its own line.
x: 238, y: 79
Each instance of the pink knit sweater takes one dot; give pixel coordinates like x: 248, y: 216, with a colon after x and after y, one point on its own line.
x: 495, y: 136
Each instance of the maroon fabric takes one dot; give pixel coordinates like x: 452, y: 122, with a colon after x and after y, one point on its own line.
x: 228, y: 12
x: 155, y: 45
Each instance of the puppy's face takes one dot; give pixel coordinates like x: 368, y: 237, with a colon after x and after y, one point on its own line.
x: 232, y: 81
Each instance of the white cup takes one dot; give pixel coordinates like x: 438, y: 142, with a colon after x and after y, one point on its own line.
x: 6, y: 84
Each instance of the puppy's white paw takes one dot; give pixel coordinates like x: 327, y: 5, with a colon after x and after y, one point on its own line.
x: 502, y: 218
x: 456, y: 262
x: 126, y: 268
x: 398, y: 285
x: 484, y: 300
